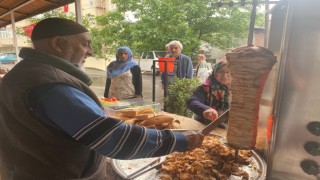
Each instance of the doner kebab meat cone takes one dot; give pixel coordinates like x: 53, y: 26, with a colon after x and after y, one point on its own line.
x: 249, y: 67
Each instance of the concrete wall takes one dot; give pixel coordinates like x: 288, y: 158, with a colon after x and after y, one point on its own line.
x: 99, y: 63
x: 96, y: 63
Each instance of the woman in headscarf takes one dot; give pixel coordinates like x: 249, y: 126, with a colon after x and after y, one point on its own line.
x: 213, y: 97
x: 124, y: 79
x: 202, y: 67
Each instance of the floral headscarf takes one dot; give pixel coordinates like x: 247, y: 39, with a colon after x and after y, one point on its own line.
x: 217, y: 93
x: 118, y: 67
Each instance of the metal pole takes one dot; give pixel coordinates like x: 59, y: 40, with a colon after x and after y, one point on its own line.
x: 154, y: 81
x: 15, y: 41
x: 78, y: 11
x: 252, y: 20
x: 266, y: 24
x: 165, y: 84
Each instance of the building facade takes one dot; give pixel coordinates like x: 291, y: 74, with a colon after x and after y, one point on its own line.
x: 7, y: 44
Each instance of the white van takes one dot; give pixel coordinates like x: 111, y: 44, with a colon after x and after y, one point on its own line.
x: 146, y: 60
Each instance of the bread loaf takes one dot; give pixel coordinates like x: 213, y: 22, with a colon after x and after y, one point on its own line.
x: 174, y: 125
x: 127, y: 112
x: 159, y: 119
x: 146, y: 110
x: 249, y: 67
x: 142, y: 116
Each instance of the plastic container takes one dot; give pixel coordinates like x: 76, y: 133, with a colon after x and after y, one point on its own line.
x: 170, y: 64
x: 132, y: 104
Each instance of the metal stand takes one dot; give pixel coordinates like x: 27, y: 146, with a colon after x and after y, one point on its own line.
x: 165, y: 81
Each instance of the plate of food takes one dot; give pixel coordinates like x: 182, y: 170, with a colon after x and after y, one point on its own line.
x: 213, y: 160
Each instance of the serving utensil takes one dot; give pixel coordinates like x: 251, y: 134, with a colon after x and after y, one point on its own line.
x: 146, y: 168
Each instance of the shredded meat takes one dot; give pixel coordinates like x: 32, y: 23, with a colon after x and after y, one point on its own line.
x: 212, y: 160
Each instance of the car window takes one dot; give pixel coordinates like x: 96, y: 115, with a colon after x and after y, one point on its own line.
x: 161, y: 54
x: 144, y: 55
x: 150, y: 55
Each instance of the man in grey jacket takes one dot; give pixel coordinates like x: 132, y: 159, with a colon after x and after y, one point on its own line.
x: 183, y: 67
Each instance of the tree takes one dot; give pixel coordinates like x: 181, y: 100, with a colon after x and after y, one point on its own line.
x: 159, y: 22
x: 88, y: 20
x: 52, y: 13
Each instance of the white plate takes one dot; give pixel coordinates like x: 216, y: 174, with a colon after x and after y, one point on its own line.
x: 126, y: 167
x: 257, y: 169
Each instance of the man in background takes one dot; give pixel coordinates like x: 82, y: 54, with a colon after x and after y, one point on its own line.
x: 183, y: 67
x: 168, y: 50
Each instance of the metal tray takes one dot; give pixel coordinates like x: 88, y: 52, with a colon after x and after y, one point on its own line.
x: 256, y: 169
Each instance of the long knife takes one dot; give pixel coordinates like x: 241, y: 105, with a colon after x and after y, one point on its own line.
x: 223, y: 117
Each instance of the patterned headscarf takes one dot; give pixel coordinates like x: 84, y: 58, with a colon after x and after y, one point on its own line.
x: 118, y: 67
x: 218, y: 94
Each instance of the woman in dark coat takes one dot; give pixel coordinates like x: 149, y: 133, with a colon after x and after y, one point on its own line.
x: 213, y: 97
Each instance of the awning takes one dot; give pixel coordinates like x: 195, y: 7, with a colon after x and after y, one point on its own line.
x: 23, y: 9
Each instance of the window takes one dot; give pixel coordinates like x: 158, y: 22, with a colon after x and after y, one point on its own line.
x: 5, y: 33
x: 91, y: 3
x: 144, y: 56
x: 150, y: 55
x: 161, y: 54
x: 101, y: 4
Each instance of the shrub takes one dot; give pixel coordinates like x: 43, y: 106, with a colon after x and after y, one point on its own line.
x: 179, y: 91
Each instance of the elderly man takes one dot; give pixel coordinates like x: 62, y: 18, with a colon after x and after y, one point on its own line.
x: 52, y: 125
x: 183, y: 67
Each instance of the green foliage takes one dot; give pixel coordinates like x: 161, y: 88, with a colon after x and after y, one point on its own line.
x: 178, y: 93
x: 88, y: 20
x: 115, y: 31
x: 53, y: 13
x: 159, y: 22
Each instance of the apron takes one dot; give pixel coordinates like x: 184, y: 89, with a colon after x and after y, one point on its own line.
x: 122, y: 87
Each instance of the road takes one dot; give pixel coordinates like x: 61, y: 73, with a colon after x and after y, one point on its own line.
x: 99, y: 78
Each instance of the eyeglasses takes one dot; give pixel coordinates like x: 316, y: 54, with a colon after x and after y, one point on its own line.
x: 223, y: 72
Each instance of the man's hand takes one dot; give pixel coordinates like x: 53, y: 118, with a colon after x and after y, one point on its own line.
x: 3, y: 71
x: 211, y: 114
x: 194, y: 139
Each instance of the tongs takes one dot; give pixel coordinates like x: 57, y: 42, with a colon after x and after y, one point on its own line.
x: 146, y: 168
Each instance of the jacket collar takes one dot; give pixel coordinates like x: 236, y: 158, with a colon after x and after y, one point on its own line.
x: 29, y: 54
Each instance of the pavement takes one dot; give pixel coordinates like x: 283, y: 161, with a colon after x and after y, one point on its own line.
x: 9, y: 66
x: 99, y: 77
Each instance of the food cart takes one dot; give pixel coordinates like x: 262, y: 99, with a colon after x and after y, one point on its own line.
x: 289, y: 119
x: 291, y: 93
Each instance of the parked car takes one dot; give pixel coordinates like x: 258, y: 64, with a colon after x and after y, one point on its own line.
x: 6, y: 58
x: 146, y: 60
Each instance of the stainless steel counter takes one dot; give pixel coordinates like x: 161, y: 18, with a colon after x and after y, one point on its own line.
x: 295, y: 38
